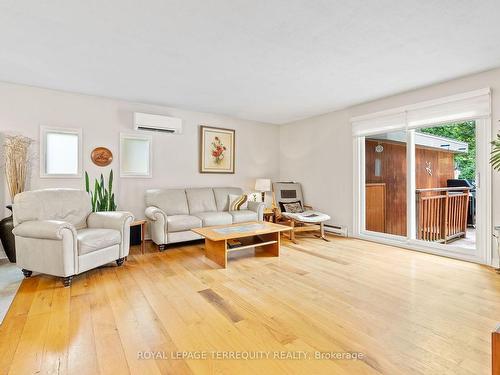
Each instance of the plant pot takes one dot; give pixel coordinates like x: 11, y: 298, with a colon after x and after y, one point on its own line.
x: 7, y: 238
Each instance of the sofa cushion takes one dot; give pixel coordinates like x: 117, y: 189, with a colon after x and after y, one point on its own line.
x: 200, y: 200
x: 90, y: 240
x: 222, y: 196
x: 170, y: 201
x: 178, y: 223
x: 214, y: 218
x: 243, y: 216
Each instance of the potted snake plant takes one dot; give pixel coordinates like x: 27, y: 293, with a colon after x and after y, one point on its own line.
x: 102, y: 197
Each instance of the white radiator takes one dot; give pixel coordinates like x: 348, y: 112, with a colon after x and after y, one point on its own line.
x: 339, y: 230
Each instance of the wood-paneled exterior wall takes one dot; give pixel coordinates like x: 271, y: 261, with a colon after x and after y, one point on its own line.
x: 393, y: 174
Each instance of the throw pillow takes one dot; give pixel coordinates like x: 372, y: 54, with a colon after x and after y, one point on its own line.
x: 237, y: 202
x: 291, y: 207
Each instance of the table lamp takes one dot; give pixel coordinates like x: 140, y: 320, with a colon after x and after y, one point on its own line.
x: 263, y: 185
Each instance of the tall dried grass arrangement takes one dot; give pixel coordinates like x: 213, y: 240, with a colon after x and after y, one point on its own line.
x: 16, y: 152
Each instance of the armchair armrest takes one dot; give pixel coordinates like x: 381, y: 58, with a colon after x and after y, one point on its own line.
x: 154, y: 213
x: 43, y: 229
x: 110, y: 219
x: 118, y: 220
x: 257, y: 207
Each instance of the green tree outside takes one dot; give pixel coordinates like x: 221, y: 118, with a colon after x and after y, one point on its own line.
x: 464, y: 132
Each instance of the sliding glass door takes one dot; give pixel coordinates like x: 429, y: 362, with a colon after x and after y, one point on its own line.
x: 424, y: 184
x: 385, y: 183
x: 445, y: 176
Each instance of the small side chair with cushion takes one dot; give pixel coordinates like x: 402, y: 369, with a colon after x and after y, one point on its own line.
x: 58, y: 234
x: 293, y: 212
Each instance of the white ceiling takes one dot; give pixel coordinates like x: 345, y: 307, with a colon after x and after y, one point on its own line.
x: 267, y: 60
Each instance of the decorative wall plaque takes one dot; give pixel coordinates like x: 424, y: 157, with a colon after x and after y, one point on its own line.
x: 101, y: 156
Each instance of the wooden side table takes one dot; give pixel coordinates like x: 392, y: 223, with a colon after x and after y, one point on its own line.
x: 142, y: 223
x: 269, y: 215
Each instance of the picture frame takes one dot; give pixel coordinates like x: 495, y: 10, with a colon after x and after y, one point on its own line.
x: 217, y: 150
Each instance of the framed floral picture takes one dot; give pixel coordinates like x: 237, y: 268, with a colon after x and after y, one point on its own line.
x: 217, y: 149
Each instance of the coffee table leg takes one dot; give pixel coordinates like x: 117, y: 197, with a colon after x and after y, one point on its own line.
x: 274, y: 248
x: 216, y: 251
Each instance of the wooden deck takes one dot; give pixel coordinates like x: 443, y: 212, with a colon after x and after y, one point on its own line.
x: 408, y: 312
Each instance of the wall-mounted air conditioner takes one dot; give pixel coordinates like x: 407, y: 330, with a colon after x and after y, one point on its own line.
x: 157, y: 123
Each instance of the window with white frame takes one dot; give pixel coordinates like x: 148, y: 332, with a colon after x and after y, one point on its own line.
x: 60, y: 152
x: 135, y: 155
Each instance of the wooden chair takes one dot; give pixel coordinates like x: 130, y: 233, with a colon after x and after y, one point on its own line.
x: 307, y: 221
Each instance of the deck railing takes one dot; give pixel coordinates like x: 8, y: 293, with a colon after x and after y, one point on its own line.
x: 442, y: 213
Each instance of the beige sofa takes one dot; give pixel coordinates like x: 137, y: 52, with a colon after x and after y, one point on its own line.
x: 172, y: 213
x: 58, y: 234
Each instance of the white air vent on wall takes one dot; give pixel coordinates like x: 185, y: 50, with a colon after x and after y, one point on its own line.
x: 158, y: 123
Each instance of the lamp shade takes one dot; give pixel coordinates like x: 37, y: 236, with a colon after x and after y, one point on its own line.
x: 263, y: 184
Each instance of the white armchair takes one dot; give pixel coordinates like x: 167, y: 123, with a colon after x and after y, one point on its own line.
x: 57, y: 234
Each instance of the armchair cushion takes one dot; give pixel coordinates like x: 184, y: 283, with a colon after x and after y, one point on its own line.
x: 307, y: 216
x: 43, y: 229
x: 179, y: 223
x: 90, y: 240
x: 69, y: 205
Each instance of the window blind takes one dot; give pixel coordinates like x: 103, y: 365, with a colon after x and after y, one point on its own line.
x: 465, y: 106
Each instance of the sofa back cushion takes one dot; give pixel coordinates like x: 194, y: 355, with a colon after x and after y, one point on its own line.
x: 70, y: 205
x: 201, y: 200
x: 171, y: 201
x: 222, y: 196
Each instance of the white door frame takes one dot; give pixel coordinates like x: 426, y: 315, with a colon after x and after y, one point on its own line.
x: 484, y: 237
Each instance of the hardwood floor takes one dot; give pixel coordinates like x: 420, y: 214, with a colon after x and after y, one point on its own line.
x: 407, y: 312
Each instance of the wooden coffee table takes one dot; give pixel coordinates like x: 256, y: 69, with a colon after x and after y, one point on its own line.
x: 263, y: 235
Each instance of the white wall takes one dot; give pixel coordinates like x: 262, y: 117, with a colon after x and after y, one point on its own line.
x: 175, y: 161
x: 315, y: 151
x: 318, y: 151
